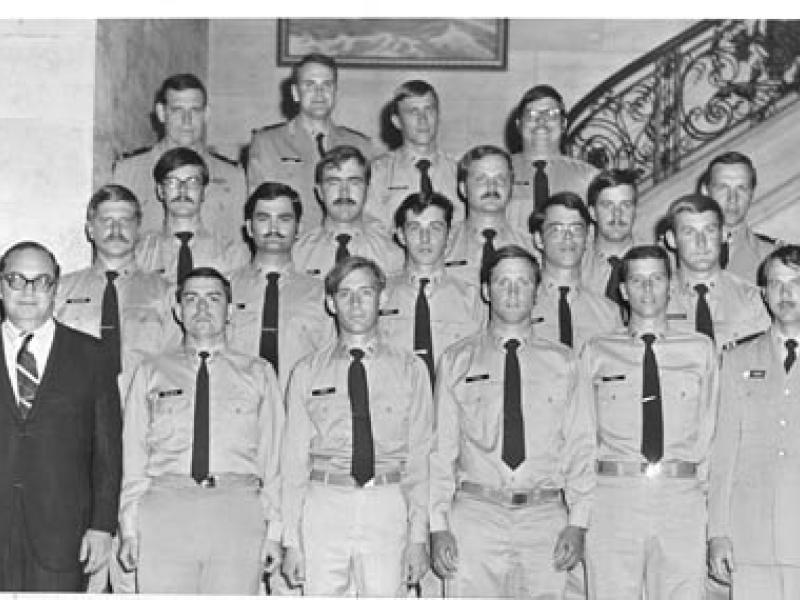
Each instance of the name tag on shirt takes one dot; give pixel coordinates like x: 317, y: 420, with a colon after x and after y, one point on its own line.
x: 398, y: 187
x: 612, y: 378
x: 521, y: 182
x: 291, y: 159
x: 313, y: 271
x: 219, y: 180
x: 456, y: 263
x: 474, y: 378
x: 676, y: 316
x: 755, y: 374
x: 240, y: 305
x: 78, y: 300
x: 537, y: 320
x: 169, y: 393
x: 386, y: 312
x: 323, y: 391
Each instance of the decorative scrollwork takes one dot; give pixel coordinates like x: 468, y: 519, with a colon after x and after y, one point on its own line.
x: 715, y: 78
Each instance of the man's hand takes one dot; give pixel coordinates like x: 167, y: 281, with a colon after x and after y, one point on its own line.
x: 720, y: 559
x: 129, y: 553
x: 294, y: 566
x: 445, y: 553
x: 416, y: 562
x: 569, y: 548
x: 95, y: 550
x: 271, y: 556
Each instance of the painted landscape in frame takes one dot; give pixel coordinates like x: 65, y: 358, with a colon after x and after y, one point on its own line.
x: 397, y: 43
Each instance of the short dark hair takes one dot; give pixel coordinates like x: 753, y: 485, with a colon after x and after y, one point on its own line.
x: 788, y: 255
x: 538, y: 92
x: 344, y: 267
x: 317, y: 58
x: 178, y: 83
x: 569, y: 200
x: 336, y: 157
x: 177, y: 158
x: 477, y: 153
x: 506, y: 253
x: 417, y: 202
x: 727, y: 158
x: 204, y: 273
x: 693, y: 203
x: 415, y: 88
x: 611, y: 178
x: 116, y: 193
x: 640, y: 253
x: 30, y: 245
x: 270, y: 190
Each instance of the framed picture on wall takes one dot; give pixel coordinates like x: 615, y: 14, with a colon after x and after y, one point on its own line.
x: 397, y: 43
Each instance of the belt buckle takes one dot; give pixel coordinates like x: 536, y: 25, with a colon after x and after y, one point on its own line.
x: 519, y: 498
x: 209, y: 482
x: 652, y: 470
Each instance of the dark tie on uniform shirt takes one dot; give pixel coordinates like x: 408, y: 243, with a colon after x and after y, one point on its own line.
x: 541, y: 188
x: 791, y: 354
x: 109, y: 323
x: 564, y: 316
x: 362, y: 463
x: 423, y: 344
x: 702, y: 315
x: 724, y: 253
x: 200, y: 431
x: 184, y: 254
x: 27, y: 377
x: 341, y: 250
x: 513, y: 452
x: 320, y: 146
x: 613, y: 292
x: 268, y: 346
x: 425, y: 184
x: 652, y: 418
x: 488, y: 246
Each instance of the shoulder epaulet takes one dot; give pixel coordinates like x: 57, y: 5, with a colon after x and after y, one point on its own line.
x: 268, y: 127
x: 355, y: 132
x: 224, y: 159
x: 769, y: 240
x: 136, y: 152
x: 743, y: 340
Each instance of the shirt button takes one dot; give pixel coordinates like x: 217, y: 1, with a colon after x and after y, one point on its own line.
x: 786, y: 392
x: 782, y: 422
x: 781, y: 453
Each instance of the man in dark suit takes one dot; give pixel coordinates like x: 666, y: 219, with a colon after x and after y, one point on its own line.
x: 60, y: 456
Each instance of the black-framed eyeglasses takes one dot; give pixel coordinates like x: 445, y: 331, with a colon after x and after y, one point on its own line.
x: 18, y: 281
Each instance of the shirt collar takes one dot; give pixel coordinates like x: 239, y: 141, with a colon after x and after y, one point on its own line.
x: 192, y: 352
x: 411, y: 158
x: 499, y: 340
x: 200, y: 232
x: 13, y: 335
x: 637, y: 335
x: 370, y: 348
x: 261, y: 270
x: 477, y: 233
x: 333, y: 229
x: 100, y: 269
x: 686, y: 285
x: 434, y: 278
x: 551, y: 286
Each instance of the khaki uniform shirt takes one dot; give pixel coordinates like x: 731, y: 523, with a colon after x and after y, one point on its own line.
x: 688, y: 374
x: 225, y: 195
x: 755, y: 465
x: 319, y: 432
x: 564, y: 174
x: 314, y: 252
x: 395, y: 176
x: 745, y: 252
x: 246, y: 420
x: 303, y: 324
x: 595, y: 268
x: 288, y: 154
x: 468, y: 443
x: 737, y: 309
x: 591, y: 314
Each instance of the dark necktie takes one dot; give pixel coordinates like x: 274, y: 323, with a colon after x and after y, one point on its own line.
x: 702, y: 314
x: 423, y: 345
x: 612, y: 285
x: 652, y: 419
x: 341, y: 250
x: 200, y: 439
x: 725, y: 252
x: 425, y: 184
x: 541, y: 189
x: 513, y: 426
x: 320, y: 145
x: 791, y: 354
x: 27, y: 377
x: 109, y: 323
x: 488, y: 246
x: 564, y: 316
x: 363, y: 461
x: 184, y: 254
x: 268, y: 347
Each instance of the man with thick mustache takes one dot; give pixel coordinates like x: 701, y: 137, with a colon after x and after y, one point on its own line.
x: 342, y: 177
x: 181, y: 177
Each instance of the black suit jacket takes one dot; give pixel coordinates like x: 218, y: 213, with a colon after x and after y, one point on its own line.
x: 66, y: 457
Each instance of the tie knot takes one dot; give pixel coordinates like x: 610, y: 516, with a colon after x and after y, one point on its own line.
x: 343, y: 239
x: 539, y: 165
x: 563, y: 290
x: 111, y: 276
x: 614, y: 261
x: 511, y: 345
x: 357, y: 354
x: 649, y: 339
x: 423, y: 164
x: 203, y: 356
x: 489, y: 234
x: 25, y: 342
x: 272, y: 277
x: 701, y: 289
x: 184, y: 237
x: 423, y: 283
x: 791, y: 345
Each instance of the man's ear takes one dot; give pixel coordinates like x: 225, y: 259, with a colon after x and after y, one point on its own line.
x: 295, y: 93
x: 669, y: 237
x: 161, y: 112
x: 485, y: 293
x: 623, y: 291
x: 88, y: 229
x: 401, y: 236
x: 538, y: 242
x: 396, y: 122
x: 330, y: 304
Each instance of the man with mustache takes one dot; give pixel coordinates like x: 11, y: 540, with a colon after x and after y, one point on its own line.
x: 288, y: 152
x: 342, y: 177
x: 755, y: 488
x: 566, y: 311
x: 704, y: 297
x: 540, y: 168
x: 484, y: 184
x: 513, y: 433
x: 184, y: 242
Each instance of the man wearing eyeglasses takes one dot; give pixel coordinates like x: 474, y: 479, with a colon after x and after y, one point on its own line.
x: 184, y: 242
x: 342, y: 177
x: 566, y: 311
x: 60, y: 466
x: 541, y: 169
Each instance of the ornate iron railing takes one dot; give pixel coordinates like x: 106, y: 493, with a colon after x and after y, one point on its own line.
x: 716, y: 78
